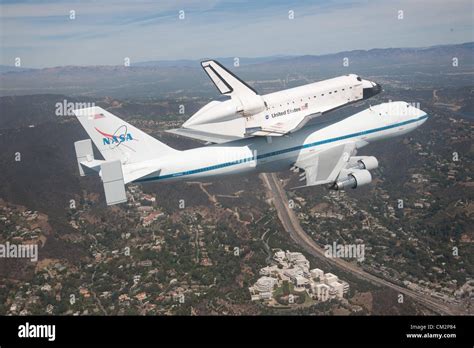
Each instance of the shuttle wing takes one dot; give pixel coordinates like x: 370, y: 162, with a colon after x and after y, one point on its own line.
x: 324, y: 167
x: 226, y: 82
x: 270, y: 127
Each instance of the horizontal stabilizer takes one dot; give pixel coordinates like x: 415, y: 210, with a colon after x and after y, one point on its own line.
x: 114, y: 186
x: 91, y: 167
x: 84, y: 153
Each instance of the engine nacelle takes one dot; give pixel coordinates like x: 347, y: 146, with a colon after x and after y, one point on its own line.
x: 363, y: 162
x: 354, y: 179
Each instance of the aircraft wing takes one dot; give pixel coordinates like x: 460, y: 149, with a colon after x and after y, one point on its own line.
x: 324, y: 167
x: 226, y: 82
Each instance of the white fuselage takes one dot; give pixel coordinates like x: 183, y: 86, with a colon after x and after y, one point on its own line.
x: 261, y: 154
x: 280, y: 110
x: 314, y: 98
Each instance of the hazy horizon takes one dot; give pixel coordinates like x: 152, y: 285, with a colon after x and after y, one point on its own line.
x: 54, y: 33
x: 242, y: 59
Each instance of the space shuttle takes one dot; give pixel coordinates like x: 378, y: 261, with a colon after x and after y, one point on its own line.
x: 249, y: 114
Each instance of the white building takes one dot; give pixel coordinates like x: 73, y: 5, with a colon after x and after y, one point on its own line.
x: 267, y: 295
x: 294, y: 267
x: 265, y: 284
x: 301, y: 281
x: 322, y: 292
x: 345, y: 286
x: 297, y: 258
x: 269, y: 270
x: 306, y: 272
x: 330, y: 278
x: 292, y: 273
x: 263, y: 288
x: 279, y: 256
x: 317, y: 274
x: 338, y: 289
x: 254, y: 297
x: 332, y: 292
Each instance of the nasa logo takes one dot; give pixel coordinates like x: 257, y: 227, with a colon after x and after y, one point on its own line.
x: 117, y: 138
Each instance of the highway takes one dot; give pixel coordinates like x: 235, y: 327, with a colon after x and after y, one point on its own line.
x: 291, y: 224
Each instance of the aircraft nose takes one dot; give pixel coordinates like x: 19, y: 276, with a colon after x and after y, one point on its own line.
x: 377, y: 88
x: 371, y: 91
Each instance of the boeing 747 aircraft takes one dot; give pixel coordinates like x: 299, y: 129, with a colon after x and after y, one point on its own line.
x: 324, y: 154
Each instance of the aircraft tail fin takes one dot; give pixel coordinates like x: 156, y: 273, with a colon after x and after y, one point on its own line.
x: 226, y: 82
x: 117, y: 139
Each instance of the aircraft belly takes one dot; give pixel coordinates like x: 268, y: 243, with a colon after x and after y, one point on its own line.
x: 276, y: 165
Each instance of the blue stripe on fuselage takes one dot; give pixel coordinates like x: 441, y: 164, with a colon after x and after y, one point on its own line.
x: 280, y: 152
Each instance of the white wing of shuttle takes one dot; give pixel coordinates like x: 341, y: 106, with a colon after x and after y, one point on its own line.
x: 256, y: 127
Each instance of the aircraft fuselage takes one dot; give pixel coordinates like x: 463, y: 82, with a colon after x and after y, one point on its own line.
x: 261, y: 154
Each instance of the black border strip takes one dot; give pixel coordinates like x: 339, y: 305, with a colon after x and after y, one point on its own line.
x: 261, y: 330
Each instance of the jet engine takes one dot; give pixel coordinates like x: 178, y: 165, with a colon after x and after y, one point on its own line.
x: 354, y: 179
x: 363, y: 162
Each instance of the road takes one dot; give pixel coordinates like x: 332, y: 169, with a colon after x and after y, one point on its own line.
x: 291, y: 224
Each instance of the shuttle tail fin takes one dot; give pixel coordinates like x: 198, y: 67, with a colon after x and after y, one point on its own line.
x: 226, y: 82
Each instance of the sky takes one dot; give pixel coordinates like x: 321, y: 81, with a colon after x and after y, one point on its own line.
x: 42, y: 33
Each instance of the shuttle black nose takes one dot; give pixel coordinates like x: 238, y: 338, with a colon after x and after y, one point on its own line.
x: 370, y: 92
x: 377, y: 88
